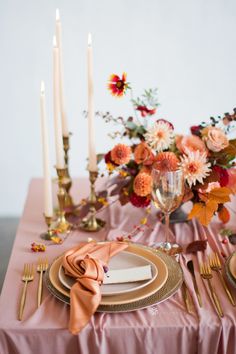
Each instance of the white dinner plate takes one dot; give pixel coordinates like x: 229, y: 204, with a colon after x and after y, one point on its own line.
x: 122, y: 260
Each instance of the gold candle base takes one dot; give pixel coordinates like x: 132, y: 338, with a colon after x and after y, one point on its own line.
x: 50, y: 232
x: 92, y: 224
x: 62, y: 224
x: 68, y: 181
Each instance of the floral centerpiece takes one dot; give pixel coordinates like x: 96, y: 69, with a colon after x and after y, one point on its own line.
x: 206, y: 156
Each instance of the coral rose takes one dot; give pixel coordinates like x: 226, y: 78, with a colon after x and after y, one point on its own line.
x: 189, y: 143
x: 166, y: 161
x: 120, y: 154
x: 143, y: 154
x: 216, y: 139
x: 142, y: 184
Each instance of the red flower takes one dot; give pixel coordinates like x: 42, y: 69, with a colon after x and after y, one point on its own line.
x: 118, y: 86
x: 139, y: 202
x: 195, y: 129
x: 145, y: 111
x: 107, y: 158
x: 223, y: 175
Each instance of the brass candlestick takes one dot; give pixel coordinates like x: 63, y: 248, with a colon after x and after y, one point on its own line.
x: 68, y: 182
x: 50, y: 232
x: 66, y: 146
x: 92, y: 224
x: 62, y: 224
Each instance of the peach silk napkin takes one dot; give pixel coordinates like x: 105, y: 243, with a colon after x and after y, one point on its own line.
x: 86, y: 264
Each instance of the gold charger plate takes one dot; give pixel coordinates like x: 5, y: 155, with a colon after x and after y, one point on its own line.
x: 173, y: 282
x: 229, y: 268
x: 124, y: 298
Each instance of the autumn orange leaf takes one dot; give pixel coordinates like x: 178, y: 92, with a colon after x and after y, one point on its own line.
x: 203, y: 211
x: 231, y: 148
x: 220, y: 195
x: 224, y: 214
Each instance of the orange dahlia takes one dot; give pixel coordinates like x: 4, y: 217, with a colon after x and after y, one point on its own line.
x: 143, y: 154
x: 118, y: 85
x: 166, y: 161
x: 142, y: 184
x: 120, y: 154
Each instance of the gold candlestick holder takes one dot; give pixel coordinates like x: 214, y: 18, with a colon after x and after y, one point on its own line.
x: 92, y: 224
x: 62, y: 224
x: 50, y: 232
x: 68, y: 181
x: 66, y: 146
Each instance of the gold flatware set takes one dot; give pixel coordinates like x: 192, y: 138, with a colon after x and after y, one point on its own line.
x: 28, y: 276
x: 206, y: 269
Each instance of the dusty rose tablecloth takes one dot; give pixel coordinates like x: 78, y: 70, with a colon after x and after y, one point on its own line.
x: 163, y: 328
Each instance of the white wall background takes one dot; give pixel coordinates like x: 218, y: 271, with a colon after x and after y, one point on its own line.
x: 186, y: 48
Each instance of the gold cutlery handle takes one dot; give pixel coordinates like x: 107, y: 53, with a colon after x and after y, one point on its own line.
x: 231, y: 299
x: 186, y: 297
x: 40, y: 289
x: 22, y: 301
x: 197, y: 291
x: 216, y: 300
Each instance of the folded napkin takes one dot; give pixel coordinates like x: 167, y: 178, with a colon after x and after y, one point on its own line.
x: 86, y: 264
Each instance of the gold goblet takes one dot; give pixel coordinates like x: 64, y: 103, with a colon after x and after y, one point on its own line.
x: 167, y: 194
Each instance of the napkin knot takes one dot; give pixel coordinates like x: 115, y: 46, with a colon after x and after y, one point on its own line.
x: 86, y: 264
x: 90, y: 268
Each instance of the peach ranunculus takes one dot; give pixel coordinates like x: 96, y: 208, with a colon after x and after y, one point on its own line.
x: 190, y: 143
x: 143, y: 154
x: 216, y: 139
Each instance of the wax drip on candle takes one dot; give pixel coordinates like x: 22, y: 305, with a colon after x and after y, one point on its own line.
x: 57, y: 15
x: 42, y: 88
x: 89, y: 40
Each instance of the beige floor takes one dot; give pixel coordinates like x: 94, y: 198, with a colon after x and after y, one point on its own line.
x: 8, y: 228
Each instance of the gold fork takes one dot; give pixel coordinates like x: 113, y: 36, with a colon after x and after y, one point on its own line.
x: 41, y: 268
x: 205, y: 271
x: 28, y: 275
x: 216, y: 266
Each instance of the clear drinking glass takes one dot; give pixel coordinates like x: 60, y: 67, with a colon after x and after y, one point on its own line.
x: 167, y: 194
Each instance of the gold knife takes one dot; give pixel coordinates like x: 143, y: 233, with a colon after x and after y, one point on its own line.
x: 186, y: 298
x: 191, y: 269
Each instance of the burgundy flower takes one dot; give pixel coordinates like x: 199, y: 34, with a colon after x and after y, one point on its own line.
x: 223, y: 175
x: 139, y: 202
x: 145, y: 111
x: 195, y: 129
x: 108, y: 159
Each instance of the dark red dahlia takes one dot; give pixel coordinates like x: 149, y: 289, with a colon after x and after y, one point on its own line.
x: 195, y: 129
x: 108, y: 159
x: 139, y: 202
x: 223, y: 175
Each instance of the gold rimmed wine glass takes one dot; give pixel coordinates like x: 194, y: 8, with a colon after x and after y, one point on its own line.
x: 167, y: 194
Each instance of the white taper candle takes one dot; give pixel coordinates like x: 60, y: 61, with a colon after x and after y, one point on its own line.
x: 57, y: 120
x: 65, y: 130
x: 48, y: 207
x: 91, y: 134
